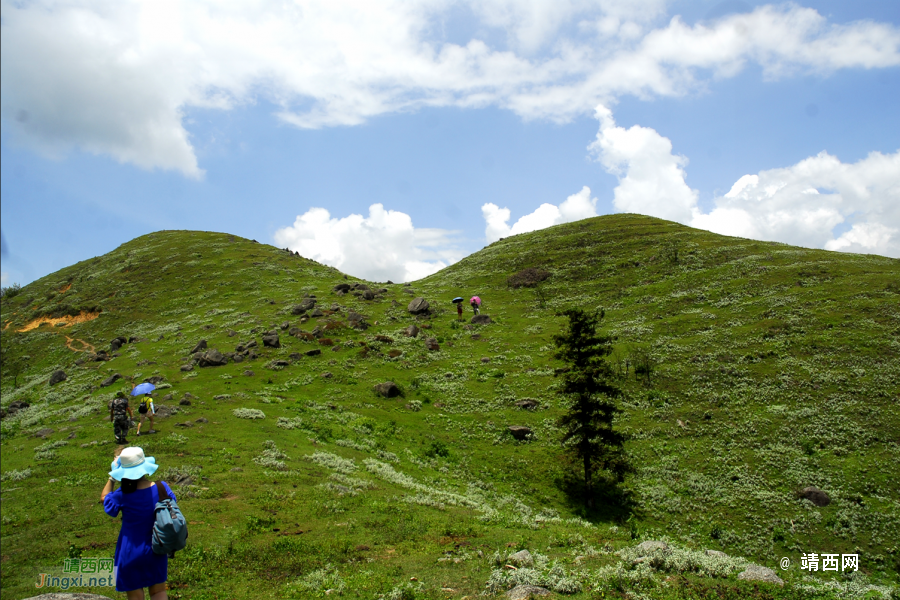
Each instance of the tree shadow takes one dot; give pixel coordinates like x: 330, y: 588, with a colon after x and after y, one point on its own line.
x: 610, y: 500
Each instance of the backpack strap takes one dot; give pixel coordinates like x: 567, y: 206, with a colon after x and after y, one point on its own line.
x: 163, y: 494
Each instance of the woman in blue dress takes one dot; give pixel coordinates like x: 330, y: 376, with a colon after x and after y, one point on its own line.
x: 136, y: 566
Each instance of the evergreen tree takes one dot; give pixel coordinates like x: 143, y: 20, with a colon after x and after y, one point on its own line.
x: 588, y: 385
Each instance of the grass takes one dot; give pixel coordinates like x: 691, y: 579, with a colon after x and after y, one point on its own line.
x: 751, y: 370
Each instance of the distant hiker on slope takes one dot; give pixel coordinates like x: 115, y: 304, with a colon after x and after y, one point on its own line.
x: 146, y: 408
x: 476, y: 303
x: 120, y: 414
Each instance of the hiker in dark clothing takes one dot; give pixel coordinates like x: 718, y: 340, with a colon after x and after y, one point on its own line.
x: 120, y: 414
x: 459, y: 311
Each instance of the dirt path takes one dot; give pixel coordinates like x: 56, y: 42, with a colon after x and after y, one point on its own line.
x: 85, y: 347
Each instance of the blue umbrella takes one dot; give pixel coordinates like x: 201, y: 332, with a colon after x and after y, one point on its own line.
x: 143, y: 388
x: 457, y: 299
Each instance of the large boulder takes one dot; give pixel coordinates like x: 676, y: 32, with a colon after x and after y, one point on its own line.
x: 418, y: 306
x: 520, y: 432
x: 432, y: 344
x: 357, y: 321
x: 481, y: 320
x: 759, y: 573
x: 388, y: 389
x: 522, y: 558
x: 411, y: 331
x: 213, y: 358
x: 200, y: 347
x: 271, y: 340
x: 305, y: 305
x: 110, y: 380
x: 57, y: 376
x: 16, y: 406
x: 117, y: 343
x: 341, y: 287
x: 816, y: 496
x: 368, y: 295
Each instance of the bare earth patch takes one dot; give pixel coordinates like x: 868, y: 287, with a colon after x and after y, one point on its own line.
x: 66, y: 321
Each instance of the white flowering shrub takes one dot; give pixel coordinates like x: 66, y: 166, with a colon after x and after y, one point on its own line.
x: 248, y: 413
x: 333, y: 462
x: 16, y: 475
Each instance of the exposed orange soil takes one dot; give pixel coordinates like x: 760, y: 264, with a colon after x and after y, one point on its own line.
x: 66, y: 321
x: 64, y: 288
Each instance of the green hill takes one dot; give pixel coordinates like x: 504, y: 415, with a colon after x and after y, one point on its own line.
x: 762, y: 369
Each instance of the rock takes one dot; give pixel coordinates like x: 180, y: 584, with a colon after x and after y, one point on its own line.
x: 368, y: 295
x: 411, y: 331
x: 202, y: 420
x: 520, y: 432
x: 117, y: 343
x: 248, y: 373
x: 759, y: 573
x: 163, y: 411
x: 716, y: 554
x: 100, y: 356
x: 360, y: 286
x: 524, y: 592
x: 316, y: 313
x: 184, y: 402
x: 388, y: 389
x: 315, y: 352
x: 418, y: 306
x: 527, y: 404
x: 187, y: 368
x: 305, y: 305
x: 167, y: 398
x: 68, y: 596
x: 384, y: 338
x: 485, y: 359
x: 480, y: 320
x: 395, y: 353
x: 522, y: 558
x: 212, y: 358
x: 357, y: 321
x: 327, y: 375
x: 271, y: 340
x: 231, y: 333
x: 110, y: 380
x: 237, y: 470
x: 155, y: 379
x: 238, y: 358
x: 816, y: 496
x: 57, y: 376
x: 341, y: 287
x: 44, y: 433
x: 200, y: 347
x: 185, y: 424
x: 285, y: 325
x: 16, y: 406
x: 432, y: 344
x: 649, y: 546
x: 71, y: 436
x: 280, y: 363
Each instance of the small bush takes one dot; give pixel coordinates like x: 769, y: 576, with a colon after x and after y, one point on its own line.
x: 529, y: 277
x: 10, y: 291
x: 16, y: 475
x: 248, y: 413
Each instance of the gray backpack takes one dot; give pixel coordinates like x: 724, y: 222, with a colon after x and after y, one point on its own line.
x: 170, y: 527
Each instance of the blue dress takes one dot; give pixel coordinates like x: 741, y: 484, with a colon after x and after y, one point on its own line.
x: 136, y: 566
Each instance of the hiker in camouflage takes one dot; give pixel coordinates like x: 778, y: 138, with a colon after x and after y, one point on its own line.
x: 120, y: 414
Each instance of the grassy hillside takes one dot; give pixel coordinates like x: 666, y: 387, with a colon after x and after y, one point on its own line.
x: 763, y: 369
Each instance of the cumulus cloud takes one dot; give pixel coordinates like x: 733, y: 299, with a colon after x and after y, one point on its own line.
x: 801, y: 204
x: 383, y: 246
x: 115, y: 77
x: 576, y: 207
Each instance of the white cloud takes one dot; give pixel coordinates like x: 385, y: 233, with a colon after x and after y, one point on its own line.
x: 115, y: 77
x: 576, y: 207
x: 383, y: 246
x: 801, y: 204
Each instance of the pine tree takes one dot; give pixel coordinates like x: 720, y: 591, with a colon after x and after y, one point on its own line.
x: 588, y: 386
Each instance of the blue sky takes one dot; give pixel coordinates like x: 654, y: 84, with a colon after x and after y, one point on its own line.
x: 428, y: 129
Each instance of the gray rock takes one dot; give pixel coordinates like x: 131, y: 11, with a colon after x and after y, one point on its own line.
x: 481, y: 320
x: 759, y: 573
x: 522, y: 558
x: 368, y: 295
x: 271, y: 340
x: 200, y: 347
x: 341, y: 287
x: 485, y: 359
x: 432, y: 344
x: 418, y: 306
x: 248, y: 373
x: 16, y: 406
x: 155, y: 379
x: 184, y: 402
x: 202, y: 420
x: 305, y: 305
x: 327, y: 375
x: 231, y: 333
x: 44, y: 433
x: 57, y: 376
x: 388, y: 389
x: 816, y: 496
x: 314, y: 352
x: 110, y: 380
x: 527, y: 404
x: 649, y: 546
x: 316, y: 313
x: 524, y: 592
x: 213, y: 358
x: 117, y: 343
x: 716, y: 554
x: 411, y: 331
x: 520, y: 432
x: 285, y: 325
